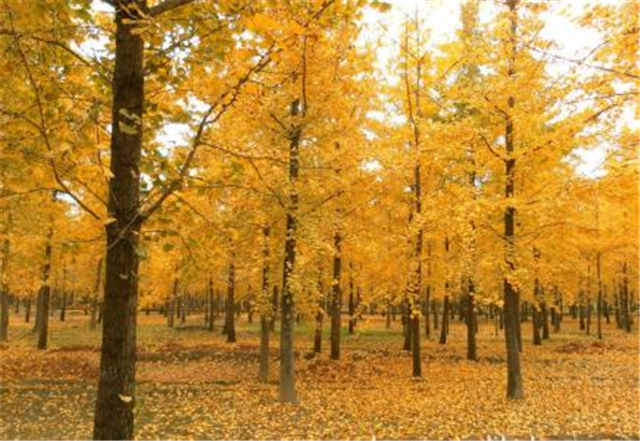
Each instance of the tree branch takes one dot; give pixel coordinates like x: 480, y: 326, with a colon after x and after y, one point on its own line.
x: 167, y: 5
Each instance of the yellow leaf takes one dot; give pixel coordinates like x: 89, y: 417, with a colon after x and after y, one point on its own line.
x: 263, y: 23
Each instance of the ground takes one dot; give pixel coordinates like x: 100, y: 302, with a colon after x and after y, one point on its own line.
x: 193, y: 385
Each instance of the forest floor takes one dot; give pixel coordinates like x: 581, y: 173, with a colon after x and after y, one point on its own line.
x: 193, y: 385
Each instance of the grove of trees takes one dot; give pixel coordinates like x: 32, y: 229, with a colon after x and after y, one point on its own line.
x: 255, y: 156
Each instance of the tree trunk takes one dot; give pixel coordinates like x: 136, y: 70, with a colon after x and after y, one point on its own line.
x: 4, y: 291
x: 544, y: 317
x: 116, y: 386
x: 4, y: 314
x: 287, y: 361
x: 336, y: 297
x: 444, y: 329
x: 435, y: 314
x: 171, y: 306
x: 618, y: 307
x: 416, y: 286
x: 212, y: 307
x: 589, y: 316
x: 511, y: 298
x: 415, y: 344
x: 43, y: 330
x: 274, y: 302
x: 263, y: 369
x: 182, y: 301
x: 63, y: 305
x: 406, y: 325
x: 96, y: 291
x: 535, y: 324
x: 625, y: 299
x: 427, y: 325
x: 100, y: 312
x: 514, y: 376
x: 351, y: 305
x: 45, y: 289
x: 27, y: 310
x: 317, y: 337
x: 388, y: 316
x: 472, y: 320
x: 230, y: 324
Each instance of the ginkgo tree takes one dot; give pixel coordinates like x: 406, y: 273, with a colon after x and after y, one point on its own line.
x: 308, y: 184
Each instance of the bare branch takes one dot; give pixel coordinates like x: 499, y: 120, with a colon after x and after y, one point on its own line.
x: 167, y: 5
x: 488, y: 144
x: 582, y: 63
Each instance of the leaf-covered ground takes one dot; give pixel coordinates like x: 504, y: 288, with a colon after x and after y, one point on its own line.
x: 193, y: 385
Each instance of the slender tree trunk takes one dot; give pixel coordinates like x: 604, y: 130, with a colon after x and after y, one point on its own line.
x: 544, y: 316
x: 275, y: 303
x: 287, y: 360
x: 263, y: 369
x: 231, y: 302
x: 617, y: 302
x: 63, y: 306
x: 182, y: 308
x: 27, y: 310
x: 351, y: 305
x: 535, y: 324
x: 625, y: 299
x: 4, y: 292
x: 406, y: 323
x: 472, y: 320
x: 317, y: 338
x: 100, y: 312
x: 171, y: 313
x: 416, y: 286
x: 388, y: 316
x: 511, y: 296
x: 336, y: 297
x: 45, y: 289
x: 43, y: 330
x: 444, y: 329
x: 589, y: 316
x: 4, y: 312
x: 435, y: 314
x: 212, y: 307
x: 427, y: 325
x: 96, y: 293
